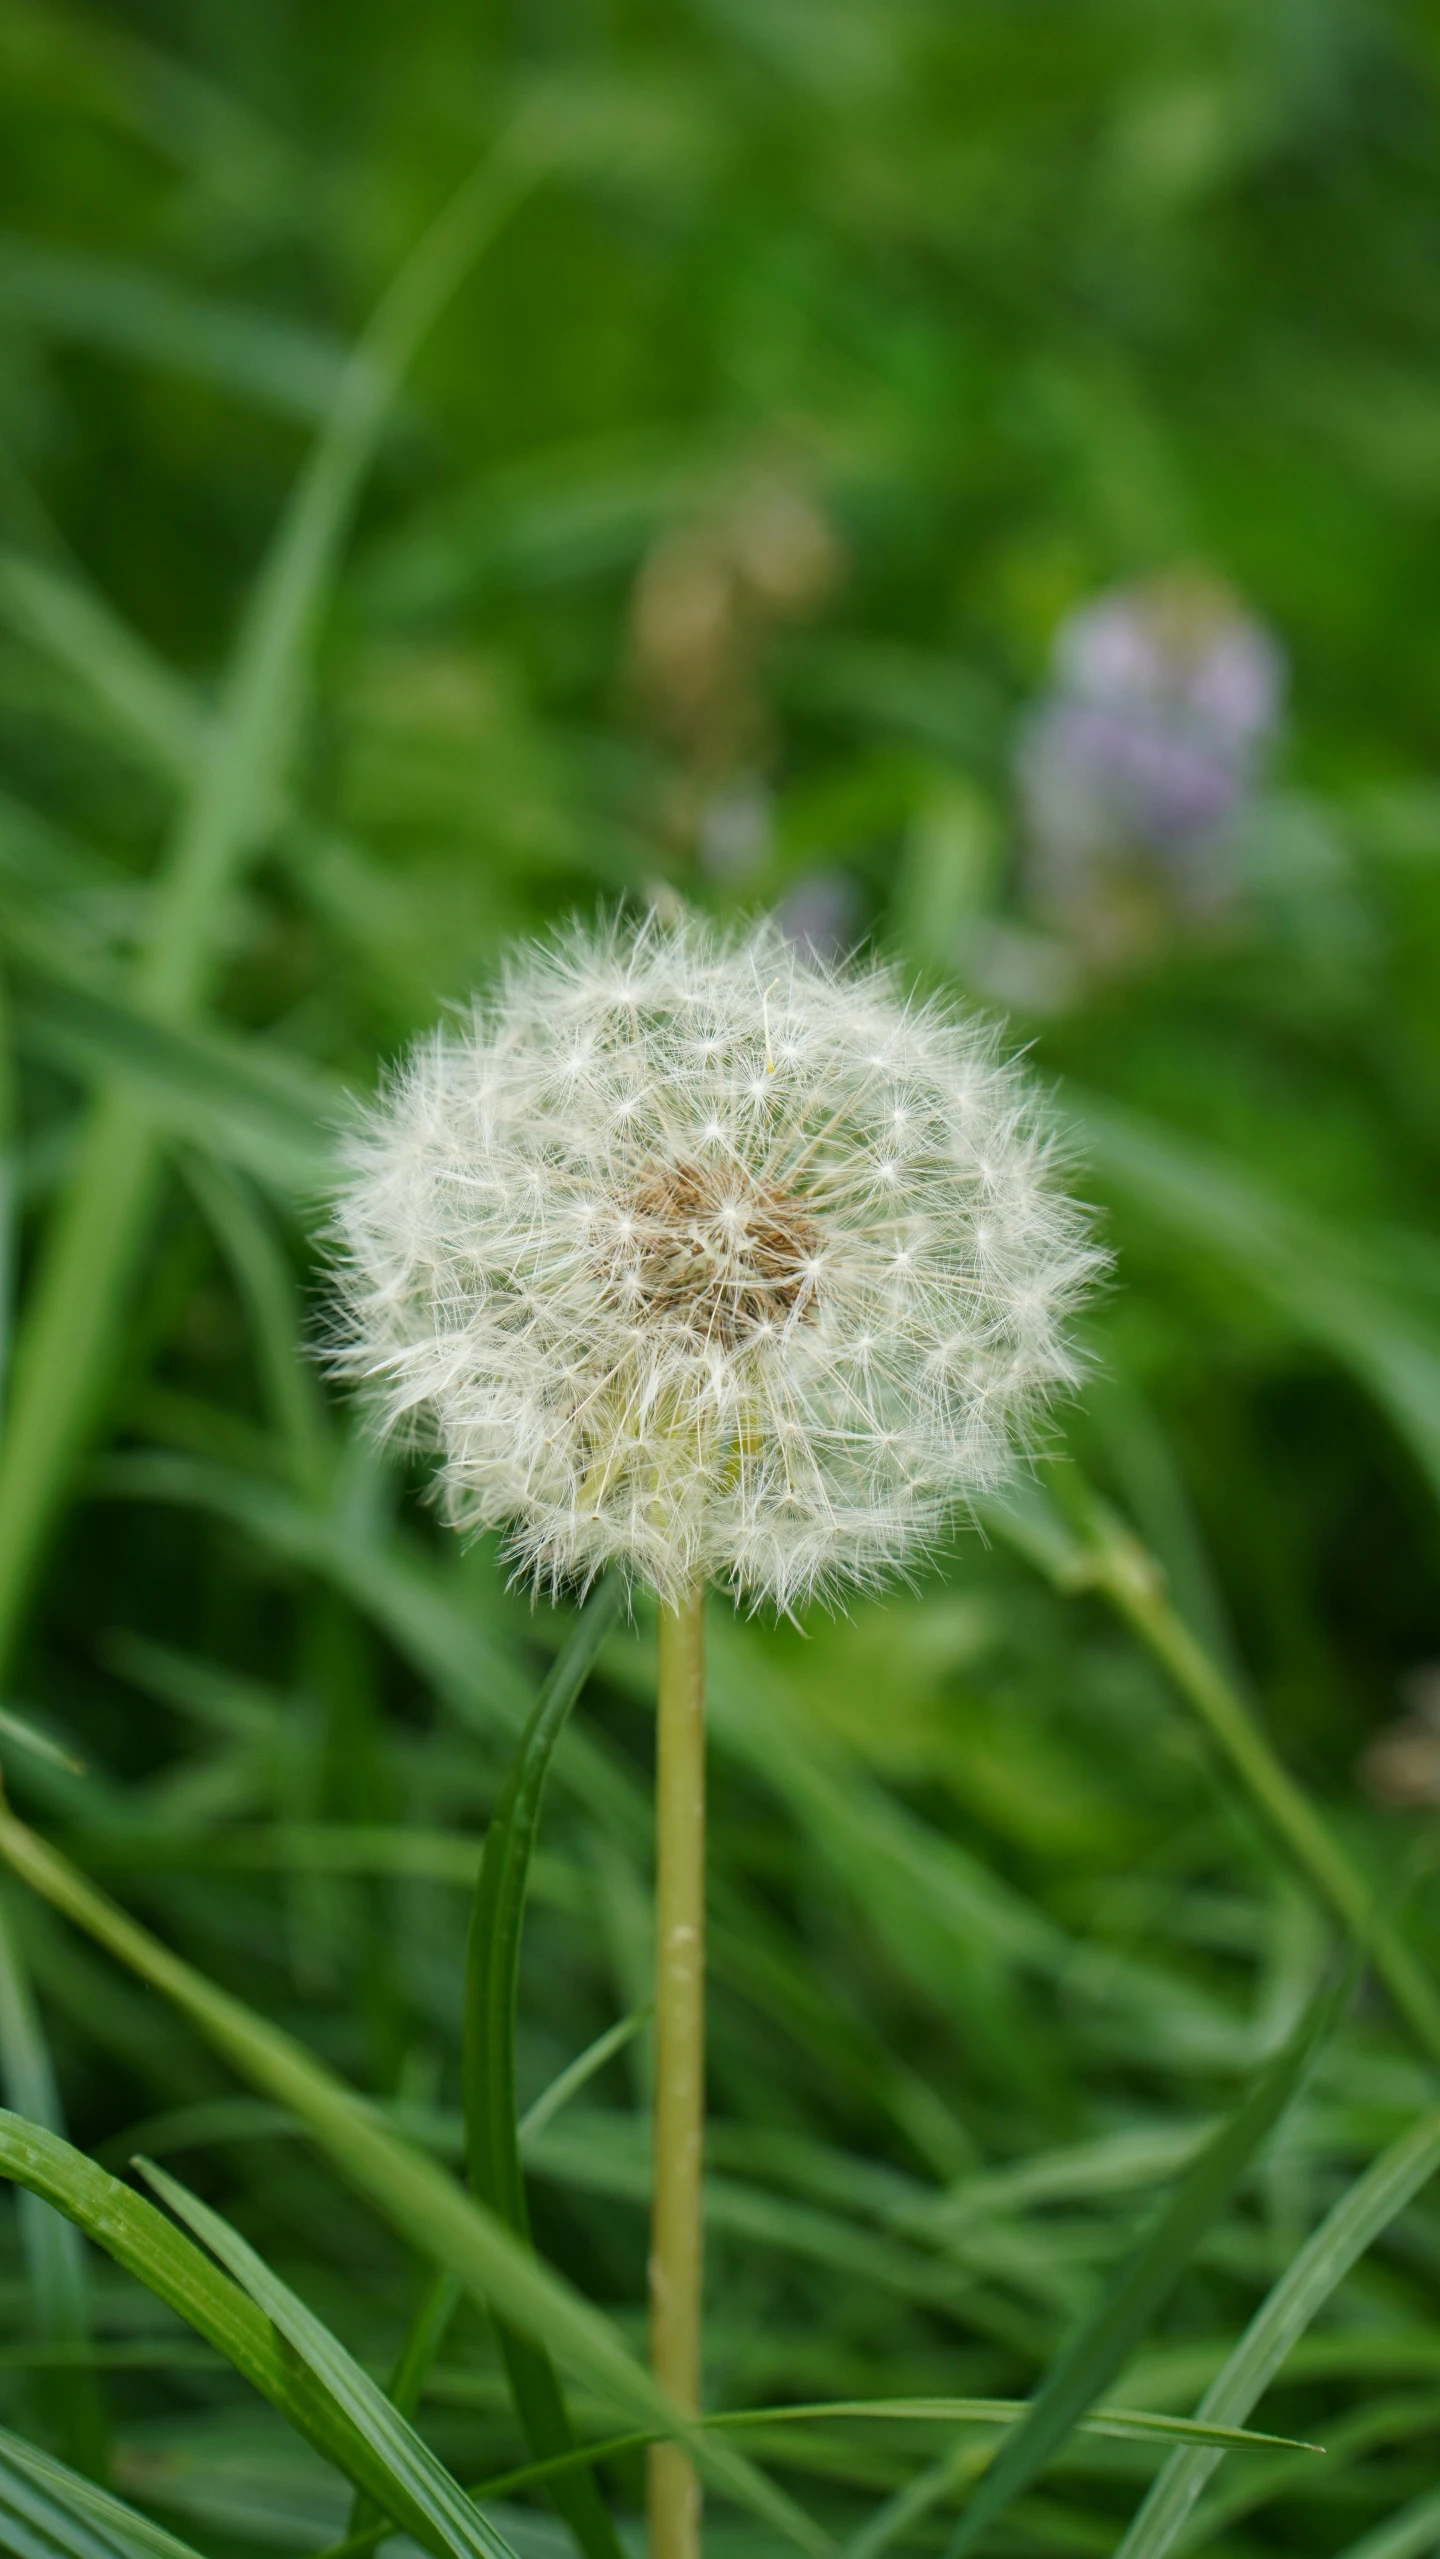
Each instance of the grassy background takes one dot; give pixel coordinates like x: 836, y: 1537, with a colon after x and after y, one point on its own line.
x: 1025, y: 301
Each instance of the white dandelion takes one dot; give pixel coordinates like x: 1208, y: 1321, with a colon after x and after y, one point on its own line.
x: 703, y: 1260
x: 699, y: 1258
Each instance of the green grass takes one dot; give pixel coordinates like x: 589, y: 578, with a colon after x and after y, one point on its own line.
x: 351, y: 367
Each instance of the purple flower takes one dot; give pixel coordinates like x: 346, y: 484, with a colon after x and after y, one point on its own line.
x: 1164, y: 698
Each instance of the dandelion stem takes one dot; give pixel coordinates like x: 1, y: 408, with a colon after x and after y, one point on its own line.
x: 676, y: 2239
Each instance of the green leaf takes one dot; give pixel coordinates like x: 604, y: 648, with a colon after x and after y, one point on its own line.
x: 1307, y: 2283
x: 52, y: 2244
x: 492, y: 1977
x: 149, y: 2247
x: 1131, y: 2300
x: 409, y: 2462
x: 47, y: 2512
x: 413, y: 2194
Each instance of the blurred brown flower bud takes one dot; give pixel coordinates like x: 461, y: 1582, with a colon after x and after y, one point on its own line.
x: 707, y: 595
x: 784, y: 551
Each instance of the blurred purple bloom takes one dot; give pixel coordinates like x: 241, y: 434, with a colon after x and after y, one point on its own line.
x: 1178, y: 650
x: 1164, y: 698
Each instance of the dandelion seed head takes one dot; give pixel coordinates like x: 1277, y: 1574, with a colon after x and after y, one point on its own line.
x: 675, y: 1251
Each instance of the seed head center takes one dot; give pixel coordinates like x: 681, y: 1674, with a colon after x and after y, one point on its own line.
x: 714, y: 1250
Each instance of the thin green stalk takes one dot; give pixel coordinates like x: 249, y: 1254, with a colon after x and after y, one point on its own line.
x: 1119, y: 1567
x: 1085, y: 1547
x: 676, y: 2230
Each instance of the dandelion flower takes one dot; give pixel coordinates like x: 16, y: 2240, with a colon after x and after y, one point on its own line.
x: 697, y: 1257
x: 703, y: 1260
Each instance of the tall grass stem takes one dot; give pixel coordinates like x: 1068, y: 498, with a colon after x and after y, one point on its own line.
x: 1119, y: 1567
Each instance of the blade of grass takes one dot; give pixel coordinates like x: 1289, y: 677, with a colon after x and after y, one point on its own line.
x: 53, y: 2252
x: 425, y: 1611
x: 230, y: 2118
x: 944, y: 1920
x: 1131, y: 2300
x: 411, y: 2465
x: 46, y: 2512
x: 74, y: 1323
x: 1375, y: 2424
x: 1101, y: 1555
x: 492, y: 1981
x: 27, y: 1736
x: 424, y: 2337
x: 1413, y: 2533
x: 243, y: 1102
x: 247, y: 1237
x: 390, y: 1580
x: 920, y: 1886
x: 1123, y: 2425
x: 411, y: 2192
x: 70, y: 1340
x: 149, y: 707
x: 1128, y: 2425
x: 149, y: 2246
x: 930, y: 2487
x: 569, y: 2082
x: 132, y: 311
x: 1307, y: 2283
x: 265, y: 691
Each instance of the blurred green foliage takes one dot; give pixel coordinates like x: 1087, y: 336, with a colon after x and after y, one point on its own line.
x: 828, y: 353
